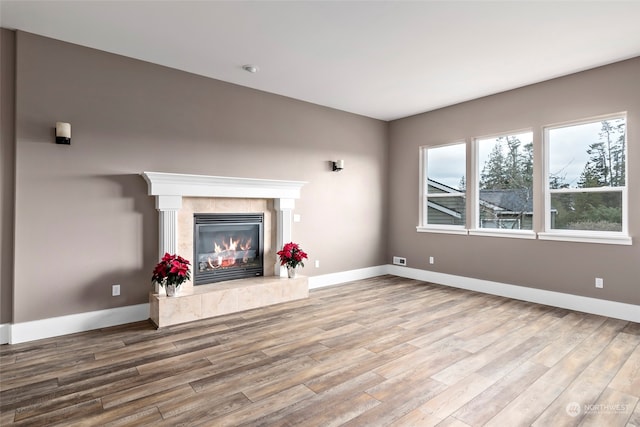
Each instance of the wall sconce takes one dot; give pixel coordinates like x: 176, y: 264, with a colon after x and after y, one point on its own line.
x: 63, y: 133
x: 338, y: 165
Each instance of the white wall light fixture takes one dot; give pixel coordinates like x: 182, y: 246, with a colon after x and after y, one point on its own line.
x: 63, y: 133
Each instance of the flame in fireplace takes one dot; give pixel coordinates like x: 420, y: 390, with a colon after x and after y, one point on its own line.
x: 226, y: 254
x: 245, y: 250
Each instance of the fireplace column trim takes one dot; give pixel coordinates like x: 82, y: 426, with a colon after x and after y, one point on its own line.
x: 284, y: 209
x: 168, y: 207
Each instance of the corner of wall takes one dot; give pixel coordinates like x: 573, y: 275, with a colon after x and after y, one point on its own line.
x: 5, y: 333
x: 7, y: 176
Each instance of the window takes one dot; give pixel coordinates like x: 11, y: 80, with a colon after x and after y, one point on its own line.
x: 505, y: 182
x: 586, y: 193
x: 443, y: 188
x: 580, y: 184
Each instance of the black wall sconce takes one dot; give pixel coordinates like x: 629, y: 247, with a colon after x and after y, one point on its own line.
x: 63, y: 133
x: 338, y: 165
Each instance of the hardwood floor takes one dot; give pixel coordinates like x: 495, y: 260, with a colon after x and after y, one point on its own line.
x: 381, y: 352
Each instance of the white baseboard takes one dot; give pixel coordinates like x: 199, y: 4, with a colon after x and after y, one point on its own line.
x: 617, y: 310
x: 63, y: 325
x: 81, y: 322
x: 346, y: 276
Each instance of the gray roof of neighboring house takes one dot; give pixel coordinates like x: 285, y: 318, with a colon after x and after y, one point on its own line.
x: 508, y: 200
x: 516, y: 201
x: 498, y: 200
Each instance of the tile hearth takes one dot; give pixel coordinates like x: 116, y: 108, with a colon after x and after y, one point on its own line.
x: 205, y: 301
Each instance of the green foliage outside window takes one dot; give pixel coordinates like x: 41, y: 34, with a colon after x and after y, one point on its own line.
x: 605, y: 167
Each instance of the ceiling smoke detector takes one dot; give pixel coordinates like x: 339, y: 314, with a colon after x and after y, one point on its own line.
x: 250, y: 68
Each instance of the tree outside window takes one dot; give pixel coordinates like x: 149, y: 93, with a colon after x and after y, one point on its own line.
x: 587, y: 176
x: 505, y: 182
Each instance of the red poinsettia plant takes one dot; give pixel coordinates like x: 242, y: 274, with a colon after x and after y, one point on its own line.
x: 172, y: 270
x: 292, y: 255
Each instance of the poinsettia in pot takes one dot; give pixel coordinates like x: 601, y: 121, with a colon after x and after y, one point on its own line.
x: 291, y: 256
x: 171, y: 272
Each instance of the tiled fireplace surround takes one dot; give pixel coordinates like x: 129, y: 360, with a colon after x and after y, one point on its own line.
x: 178, y: 197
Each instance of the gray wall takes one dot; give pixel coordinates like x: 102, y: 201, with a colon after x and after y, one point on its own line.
x: 7, y: 157
x: 557, y: 266
x: 83, y: 218
x: 84, y: 221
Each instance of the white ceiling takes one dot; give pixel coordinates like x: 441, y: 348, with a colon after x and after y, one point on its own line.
x: 381, y: 59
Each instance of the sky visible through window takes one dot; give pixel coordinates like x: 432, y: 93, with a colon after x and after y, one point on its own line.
x: 447, y: 164
x: 486, y: 145
x: 568, y: 150
x: 567, y: 154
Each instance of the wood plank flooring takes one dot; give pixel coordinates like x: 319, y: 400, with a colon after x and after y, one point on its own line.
x: 380, y: 352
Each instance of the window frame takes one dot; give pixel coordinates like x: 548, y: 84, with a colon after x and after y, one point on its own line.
x: 541, y: 227
x: 585, y: 236
x: 476, y: 230
x: 423, y: 224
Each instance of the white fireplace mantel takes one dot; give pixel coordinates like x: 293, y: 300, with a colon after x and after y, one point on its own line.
x: 176, y: 184
x: 170, y: 188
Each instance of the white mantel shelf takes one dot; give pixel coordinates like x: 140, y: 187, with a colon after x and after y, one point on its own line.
x: 186, y: 185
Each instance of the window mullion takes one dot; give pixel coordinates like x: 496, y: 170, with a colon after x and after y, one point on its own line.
x: 473, y: 205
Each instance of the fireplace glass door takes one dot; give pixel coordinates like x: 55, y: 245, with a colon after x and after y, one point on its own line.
x: 227, y: 247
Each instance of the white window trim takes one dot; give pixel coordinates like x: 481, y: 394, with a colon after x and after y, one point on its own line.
x: 472, y: 184
x: 502, y: 232
x: 475, y: 194
x: 472, y: 196
x: 442, y: 229
x: 584, y: 236
x: 587, y: 190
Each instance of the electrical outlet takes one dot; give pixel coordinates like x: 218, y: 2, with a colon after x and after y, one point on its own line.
x: 297, y: 218
x: 317, y: 263
x: 599, y: 282
x: 431, y: 260
x: 115, y: 290
x: 399, y: 260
